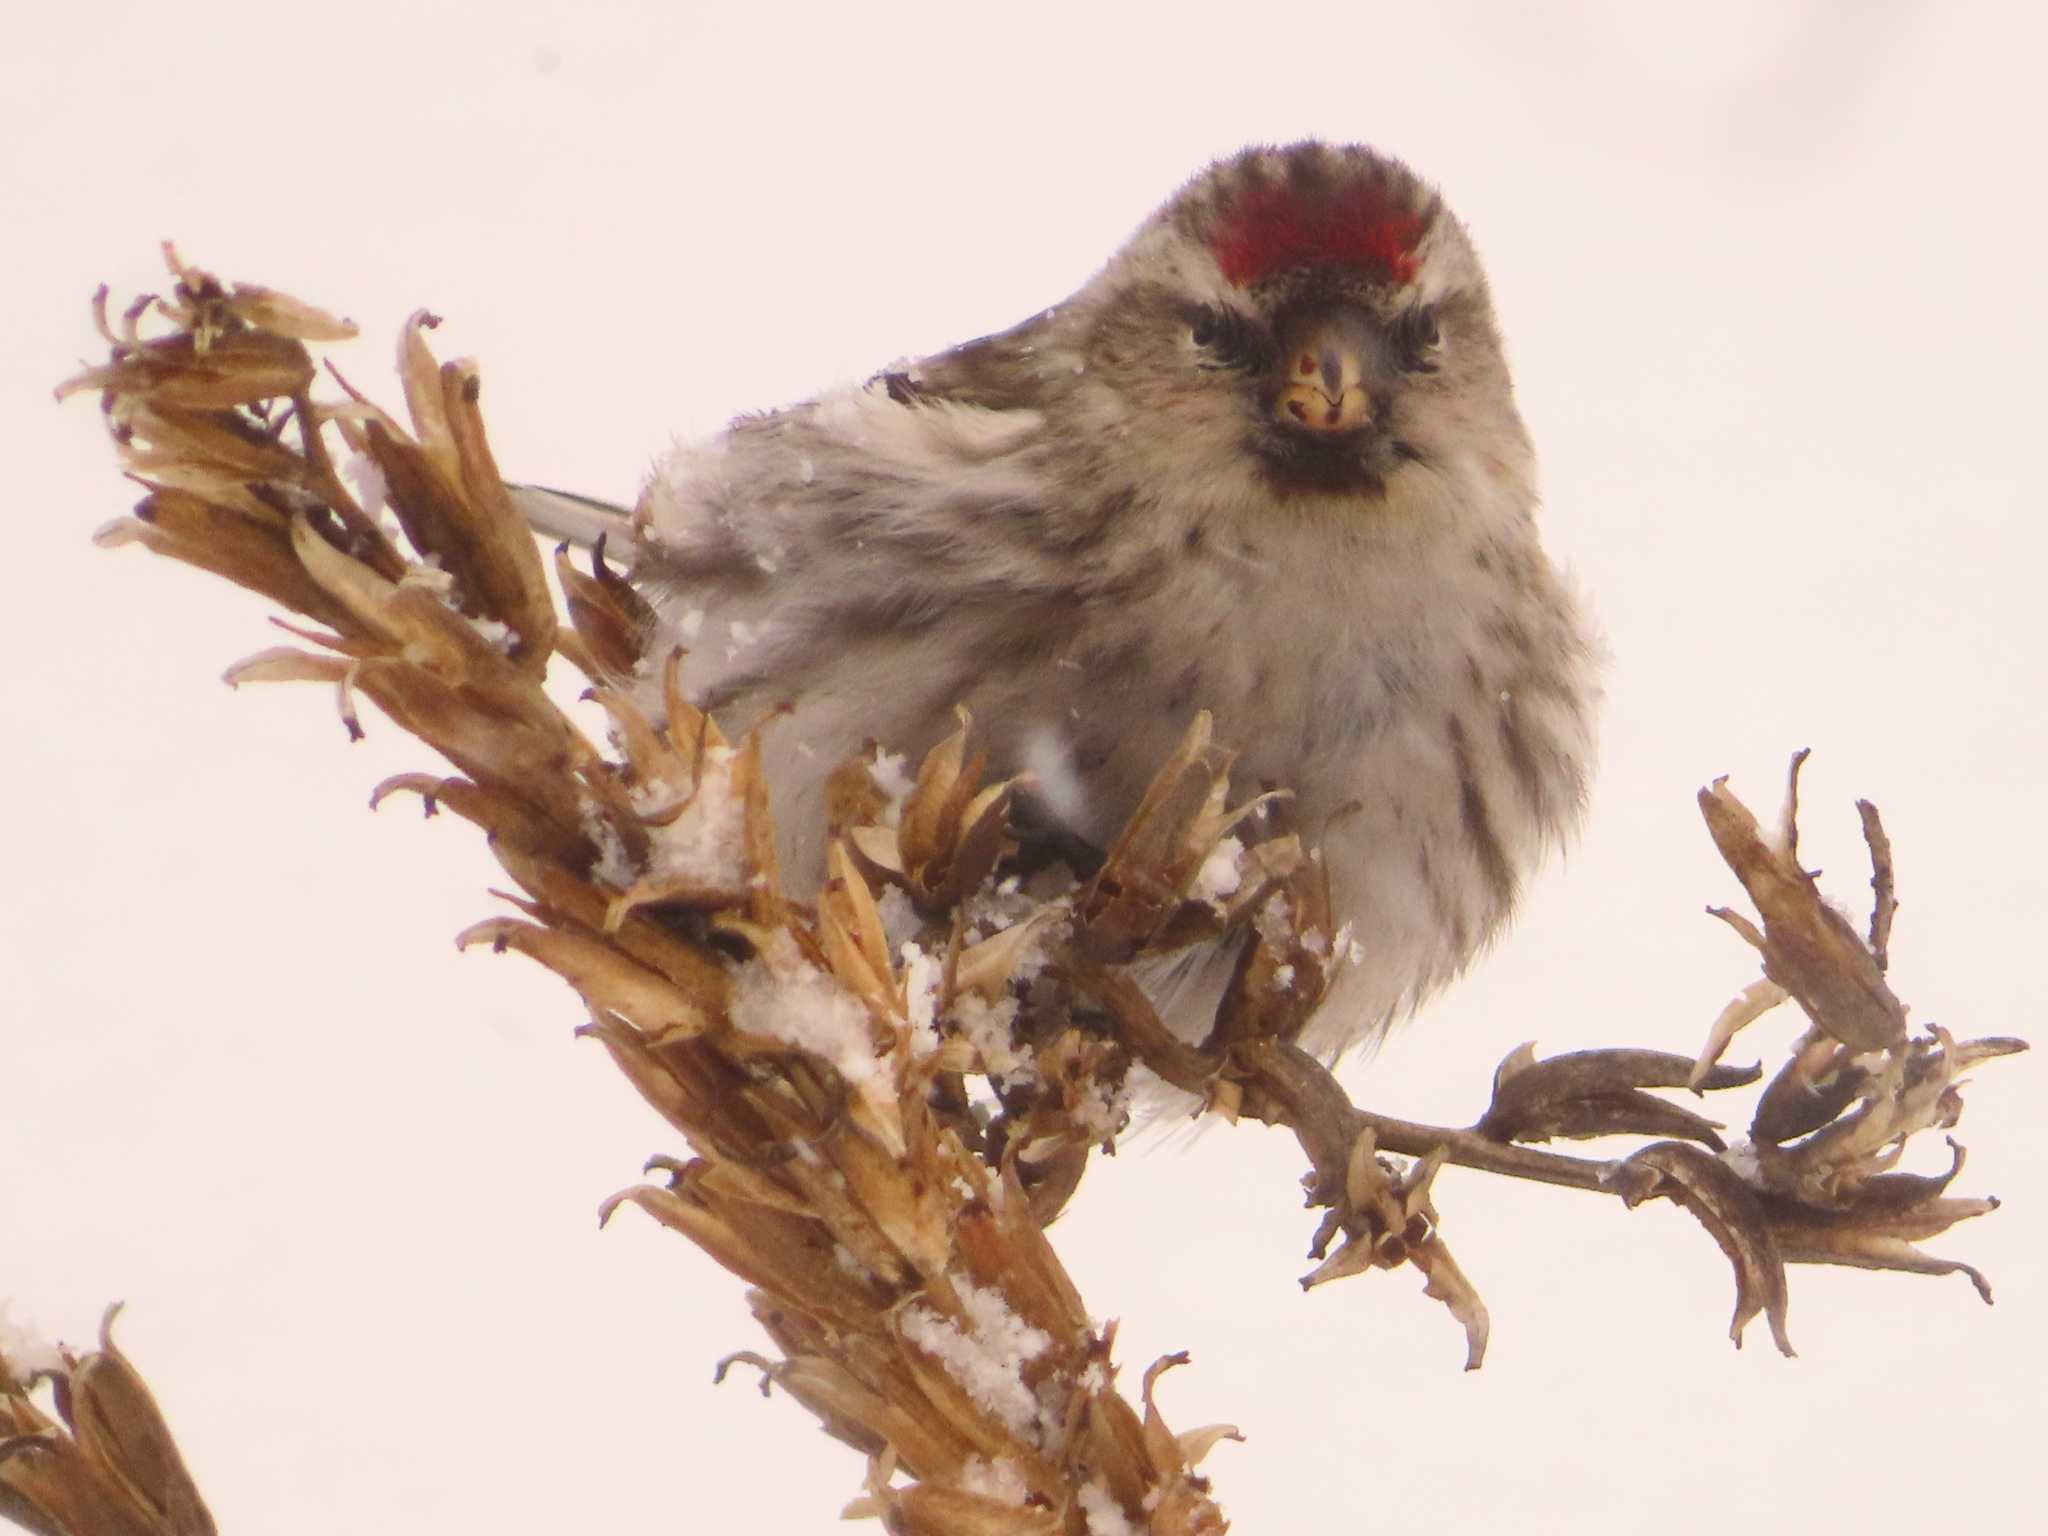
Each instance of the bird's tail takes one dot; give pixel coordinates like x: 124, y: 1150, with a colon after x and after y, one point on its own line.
x: 579, y: 519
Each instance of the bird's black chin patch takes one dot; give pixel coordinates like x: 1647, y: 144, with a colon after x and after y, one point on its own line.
x: 1300, y: 463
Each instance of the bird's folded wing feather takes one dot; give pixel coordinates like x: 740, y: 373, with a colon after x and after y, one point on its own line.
x: 582, y: 520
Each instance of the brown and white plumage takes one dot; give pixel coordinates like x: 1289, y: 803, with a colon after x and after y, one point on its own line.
x: 1266, y: 463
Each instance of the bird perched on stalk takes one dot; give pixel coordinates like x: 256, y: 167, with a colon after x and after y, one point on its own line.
x: 1265, y: 463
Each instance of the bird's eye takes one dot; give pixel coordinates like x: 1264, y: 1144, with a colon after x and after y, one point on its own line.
x: 1230, y: 339
x: 1420, y: 340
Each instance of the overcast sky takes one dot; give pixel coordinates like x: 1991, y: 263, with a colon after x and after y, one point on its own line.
x: 1771, y: 286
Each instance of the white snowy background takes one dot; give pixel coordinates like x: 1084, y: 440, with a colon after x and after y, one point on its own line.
x: 1770, y: 274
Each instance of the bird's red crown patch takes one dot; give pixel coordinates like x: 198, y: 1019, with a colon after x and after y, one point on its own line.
x: 1267, y: 229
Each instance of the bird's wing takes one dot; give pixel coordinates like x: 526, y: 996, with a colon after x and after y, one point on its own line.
x: 582, y: 520
x: 996, y: 373
x: 992, y: 373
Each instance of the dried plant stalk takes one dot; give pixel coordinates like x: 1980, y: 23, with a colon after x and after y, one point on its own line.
x: 881, y: 1127
x: 889, y: 1225
x: 106, y: 1464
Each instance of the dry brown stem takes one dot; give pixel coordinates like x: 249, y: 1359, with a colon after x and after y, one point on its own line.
x: 105, y: 1464
x: 879, y: 1129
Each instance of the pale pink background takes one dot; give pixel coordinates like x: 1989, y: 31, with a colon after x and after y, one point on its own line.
x: 1771, y: 280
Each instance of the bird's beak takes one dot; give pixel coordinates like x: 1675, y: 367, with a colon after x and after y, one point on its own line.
x: 1325, y: 386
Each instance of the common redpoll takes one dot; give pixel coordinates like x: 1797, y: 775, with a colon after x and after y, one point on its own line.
x: 1265, y: 463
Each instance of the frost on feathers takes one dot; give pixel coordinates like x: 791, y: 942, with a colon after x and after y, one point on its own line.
x: 926, y: 532
x: 892, y: 776
x: 1047, y: 759
x: 988, y: 1356
x: 743, y: 637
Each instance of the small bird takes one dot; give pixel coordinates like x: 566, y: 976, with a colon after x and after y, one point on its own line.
x: 1265, y: 463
